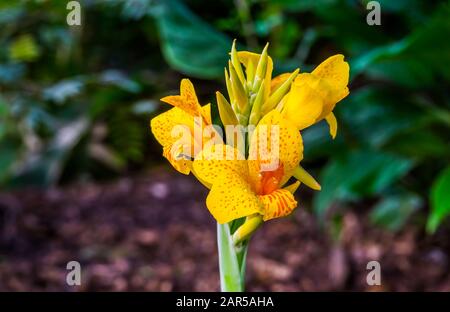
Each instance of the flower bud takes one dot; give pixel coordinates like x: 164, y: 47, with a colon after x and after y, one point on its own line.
x: 260, y: 72
x: 279, y: 93
x: 250, y: 225
x: 226, y: 113
x: 239, y: 93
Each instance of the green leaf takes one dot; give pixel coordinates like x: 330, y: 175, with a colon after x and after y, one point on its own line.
x: 393, y: 212
x: 376, y: 115
x: 317, y: 142
x: 357, y: 174
x: 421, y: 144
x: 189, y: 44
x: 347, y: 27
x: 439, y: 200
x: 415, y: 60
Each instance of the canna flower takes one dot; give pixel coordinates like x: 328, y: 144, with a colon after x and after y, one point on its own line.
x: 247, y: 184
x: 188, y: 113
x: 313, y: 96
x: 304, y: 99
x: 242, y: 187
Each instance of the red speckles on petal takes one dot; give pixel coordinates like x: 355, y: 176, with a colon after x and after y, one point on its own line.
x: 279, y: 203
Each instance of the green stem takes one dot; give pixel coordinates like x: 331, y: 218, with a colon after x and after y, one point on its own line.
x: 231, y: 260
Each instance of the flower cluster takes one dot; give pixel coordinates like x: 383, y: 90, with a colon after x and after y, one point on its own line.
x: 249, y: 180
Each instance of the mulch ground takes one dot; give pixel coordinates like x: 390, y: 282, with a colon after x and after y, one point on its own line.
x: 154, y: 233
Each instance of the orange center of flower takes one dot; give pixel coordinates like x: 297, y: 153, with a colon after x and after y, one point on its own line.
x: 270, y: 180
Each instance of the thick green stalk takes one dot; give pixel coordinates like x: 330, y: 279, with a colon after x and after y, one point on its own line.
x: 231, y: 260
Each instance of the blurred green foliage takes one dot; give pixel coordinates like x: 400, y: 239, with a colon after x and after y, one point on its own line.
x: 75, y: 100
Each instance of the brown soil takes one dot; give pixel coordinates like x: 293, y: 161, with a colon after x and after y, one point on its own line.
x: 155, y: 234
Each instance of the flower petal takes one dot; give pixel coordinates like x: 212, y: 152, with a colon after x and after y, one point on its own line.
x: 335, y: 71
x: 162, y: 125
x: 279, y: 203
x: 187, y: 100
x: 246, y: 57
x: 304, y: 104
x: 313, y: 96
x: 231, y: 197
x: 180, y: 163
x: 206, y: 113
x: 332, y: 122
x: 217, y: 160
x: 292, y: 187
x: 268, y: 148
x: 306, y: 178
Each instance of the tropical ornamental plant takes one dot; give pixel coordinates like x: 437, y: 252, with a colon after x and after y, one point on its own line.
x: 248, y: 168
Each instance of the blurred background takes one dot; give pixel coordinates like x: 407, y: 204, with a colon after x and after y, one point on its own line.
x: 82, y: 178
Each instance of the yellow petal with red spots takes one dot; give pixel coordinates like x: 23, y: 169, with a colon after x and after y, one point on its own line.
x: 335, y: 71
x: 180, y: 163
x: 206, y: 113
x: 279, y: 203
x: 231, y: 197
x: 216, y: 160
x: 275, y: 142
x: 187, y: 100
x: 163, y: 124
x: 176, y: 127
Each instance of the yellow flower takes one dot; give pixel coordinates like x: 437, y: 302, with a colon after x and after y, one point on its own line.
x: 244, y: 187
x: 313, y: 96
x: 187, y: 113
